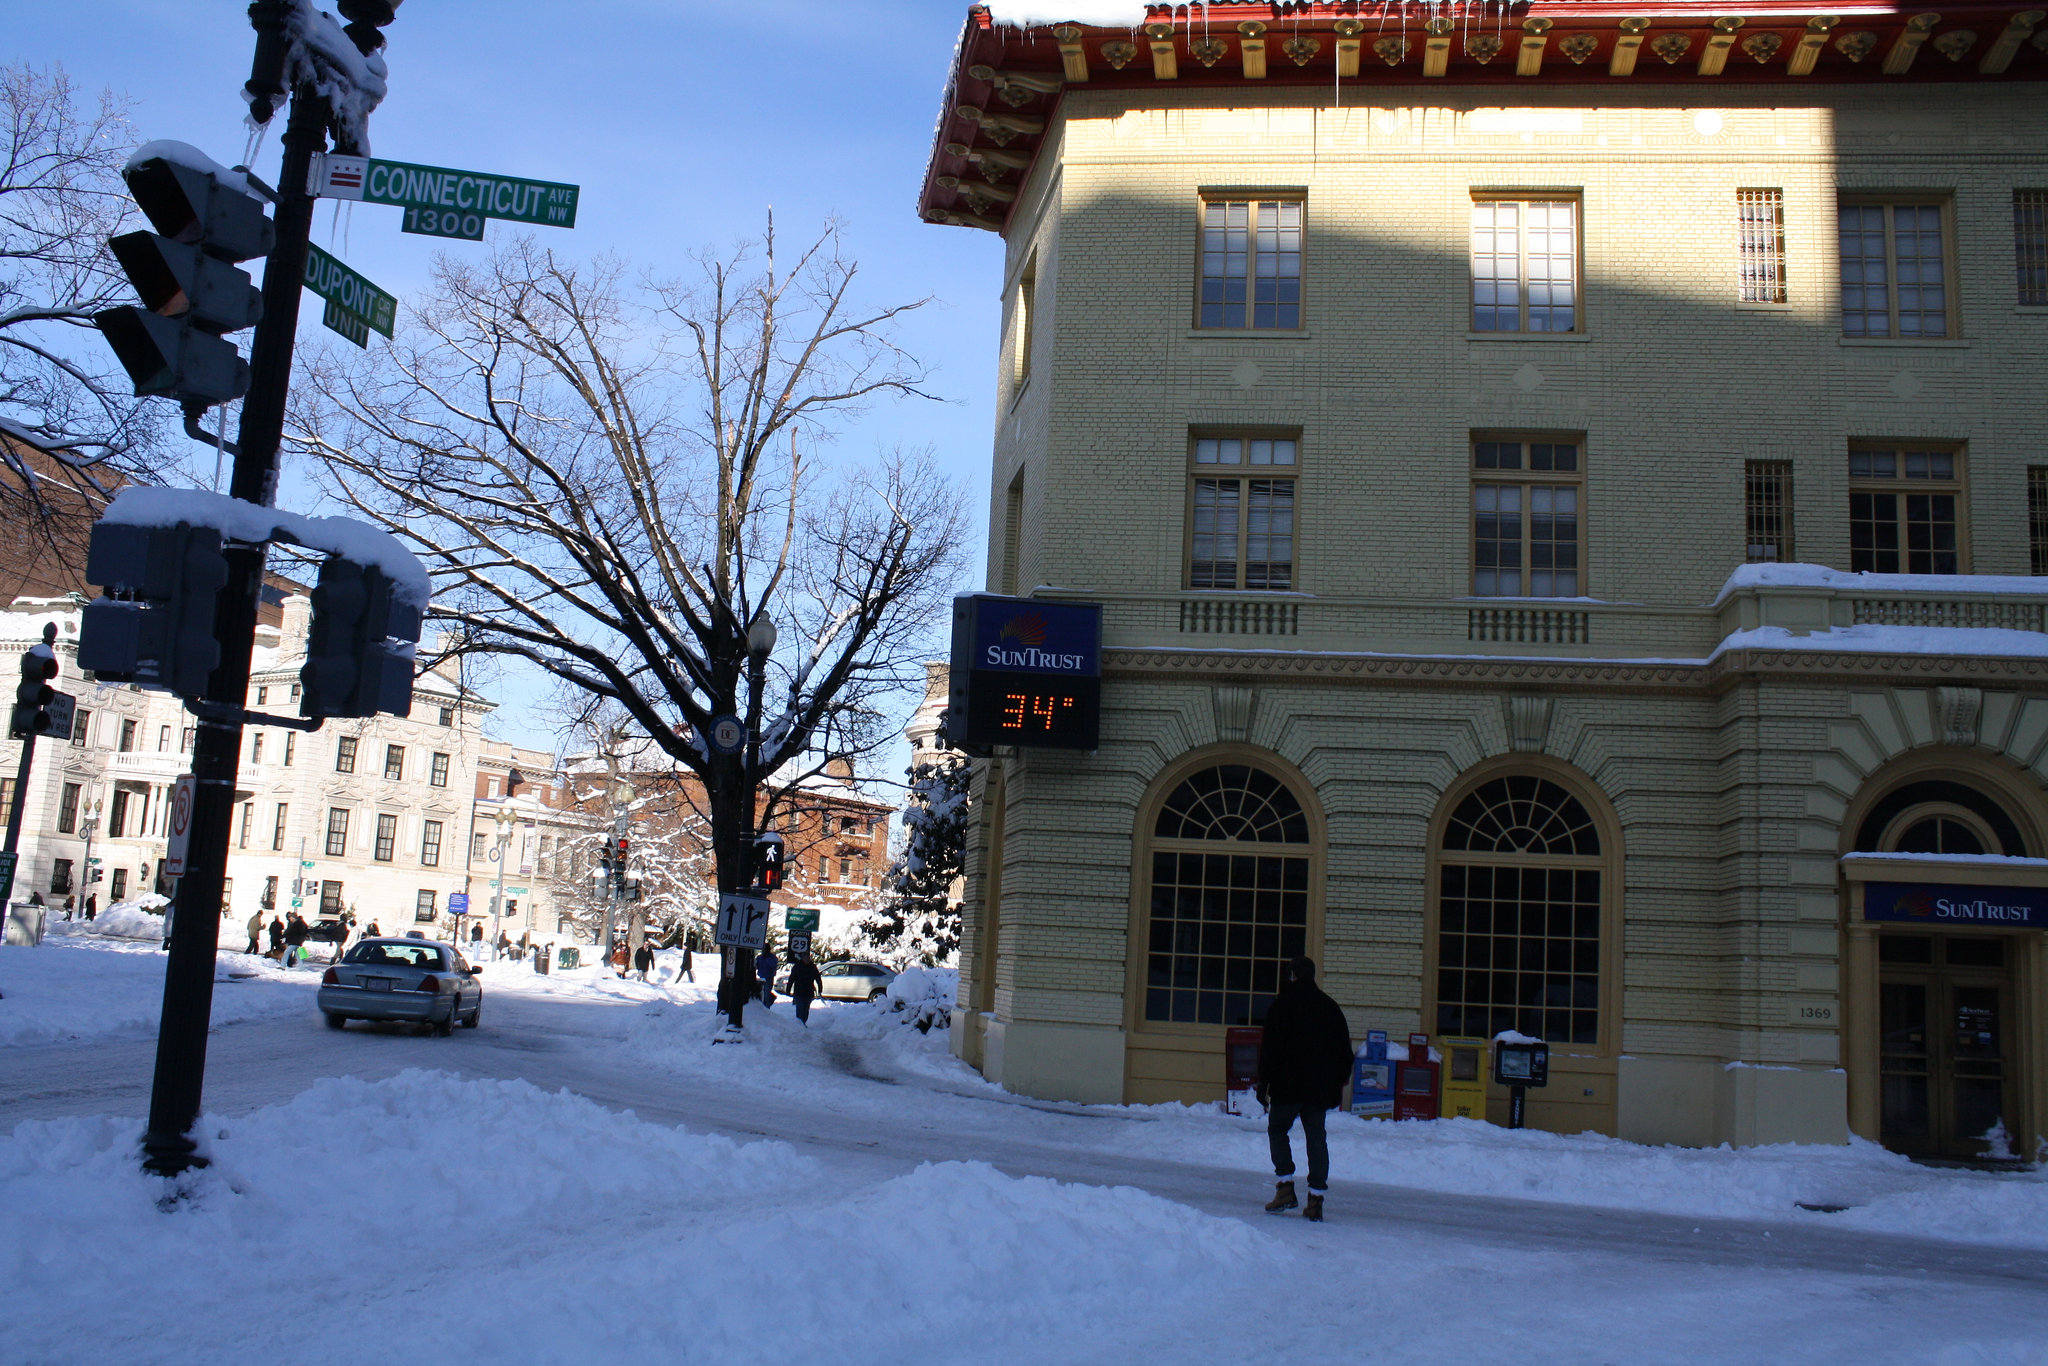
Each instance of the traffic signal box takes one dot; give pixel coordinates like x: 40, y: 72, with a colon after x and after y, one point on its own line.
x: 155, y: 626
x: 34, y: 694
x: 1415, y: 1082
x: 174, y: 345
x: 1372, y: 1078
x: 359, y: 645
x: 1462, y: 1082
x: 768, y: 861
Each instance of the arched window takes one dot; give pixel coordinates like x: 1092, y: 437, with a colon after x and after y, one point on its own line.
x: 1230, y: 896
x: 1519, y: 901
x: 1939, y: 816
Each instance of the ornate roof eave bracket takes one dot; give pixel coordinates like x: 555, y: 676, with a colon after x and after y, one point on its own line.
x: 1005, y: 84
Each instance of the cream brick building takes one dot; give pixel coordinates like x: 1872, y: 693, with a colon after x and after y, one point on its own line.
x: 1470, y: 430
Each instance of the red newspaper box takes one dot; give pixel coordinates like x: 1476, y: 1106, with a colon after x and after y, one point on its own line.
x: 1416, y: 1082
x: 1241, y: 1067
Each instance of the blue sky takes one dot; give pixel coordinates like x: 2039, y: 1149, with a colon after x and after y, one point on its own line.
x: 682, y: 121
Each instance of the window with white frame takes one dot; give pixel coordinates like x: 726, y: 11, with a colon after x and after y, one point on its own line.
x: 1241, y: 503
x: 1525, y: 265
x: 1251, y: 263
x: 1895, y: 279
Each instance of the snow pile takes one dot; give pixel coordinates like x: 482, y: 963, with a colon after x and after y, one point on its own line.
x: 365, y: 1213
x: 186, y: 155
x: 78, y: 988
x: 1894, y: 640
x: 127, y: 920
x: 320, y: 54
x: 925, y: 995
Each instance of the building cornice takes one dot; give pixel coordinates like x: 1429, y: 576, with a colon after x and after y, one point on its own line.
x: 1004, y: 90
x: 1722, y: 672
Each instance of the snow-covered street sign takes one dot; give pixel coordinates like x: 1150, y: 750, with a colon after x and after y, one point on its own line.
x: 742, y: 921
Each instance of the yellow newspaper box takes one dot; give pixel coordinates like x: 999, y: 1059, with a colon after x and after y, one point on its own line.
x: 1464, y: 1078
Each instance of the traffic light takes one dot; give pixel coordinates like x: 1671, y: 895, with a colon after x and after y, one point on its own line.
x: 155, y: 627
x: 359, y: 646
x: 768, y: 861
x: 173, y: 346
x: 33, y: 695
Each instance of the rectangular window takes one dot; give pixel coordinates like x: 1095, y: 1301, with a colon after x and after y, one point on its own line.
x: 263, y: 697
x: 337, y: 832
x: 447, y: 718
x: 163, y: 739
x: 60, y: 875
x: 1025, y: 320
x: 824, y: 870
x: 2030, y: 244
x: 1902, y: 511
x: 1251, y: 263
x: 256, y: 748
x: 269, y: 898
x: 117, y: 814
x: 1241, y: 529
x: 430, y: 844
x: 1519, y: 948
x: 127, y: 735
x: 185, y: 741
x: 81, y: 728
x: 477, y: 848
x: 1013, y: 533
x: 67, y: 809
x: 1760, y: 274
x: 1894, y: 269
x: 1525, y: 519
x: 277, y: 829
x: 291, y: 742
x: 330, y: 898
x: 1767, y: 510
x: 345, y: 755
x: 387, y: 838
x: 437, y: 773
x: 394, y: 763
x: 120, y: 888
x: 423, y: 908
x: 248, y: 822
x: 1525, y: 265
x: 846, y: 870
x: 2037, y: 517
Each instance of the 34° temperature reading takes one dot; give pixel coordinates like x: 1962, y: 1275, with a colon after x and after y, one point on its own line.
x: 1033, y: 711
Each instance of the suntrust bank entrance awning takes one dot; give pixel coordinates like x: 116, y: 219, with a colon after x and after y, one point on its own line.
x: 1944, y: 1016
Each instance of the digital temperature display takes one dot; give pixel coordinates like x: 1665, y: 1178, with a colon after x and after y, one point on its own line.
x: 1025, y: 672
x: 1032, y: 709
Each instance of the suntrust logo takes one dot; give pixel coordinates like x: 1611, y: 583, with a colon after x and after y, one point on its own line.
x: 1973, y: 910
x: 1028, y: 631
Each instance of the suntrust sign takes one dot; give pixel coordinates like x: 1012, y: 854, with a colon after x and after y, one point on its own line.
x: 1025, y: 672
x: 1932, y: 903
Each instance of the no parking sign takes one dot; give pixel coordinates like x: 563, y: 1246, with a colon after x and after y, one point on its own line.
x: 179, y: 832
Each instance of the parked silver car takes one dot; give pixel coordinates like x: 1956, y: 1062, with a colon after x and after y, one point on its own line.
x: 855, y: 981
x: 420, y: 981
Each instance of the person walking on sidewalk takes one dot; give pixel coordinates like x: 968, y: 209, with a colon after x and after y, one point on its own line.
x: 805, y: 983
x: 1304, y: 1059
x: 765, y: 965
x: 643, y: 959
x: 256, y: 932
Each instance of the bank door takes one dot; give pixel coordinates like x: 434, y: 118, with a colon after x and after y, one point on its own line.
x: 1944, y: 1006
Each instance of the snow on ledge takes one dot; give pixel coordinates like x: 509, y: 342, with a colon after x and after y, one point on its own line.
x: 1977, y: 860
x: 1954, y: 641
x: 240, y: 521
x: 1096, y: 13
x: 1753, y: 576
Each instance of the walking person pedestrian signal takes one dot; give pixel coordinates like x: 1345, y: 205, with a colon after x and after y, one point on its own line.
x: 768, y: 861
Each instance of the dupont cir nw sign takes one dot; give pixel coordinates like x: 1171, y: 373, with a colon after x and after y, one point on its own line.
x: 1933, y: 903
x: 1025, y: 672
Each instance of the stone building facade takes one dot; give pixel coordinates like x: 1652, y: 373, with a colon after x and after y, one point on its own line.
x: 1565, y: 493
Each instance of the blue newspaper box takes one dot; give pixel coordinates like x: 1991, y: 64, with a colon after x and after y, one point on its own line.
x: 1372, y: 1078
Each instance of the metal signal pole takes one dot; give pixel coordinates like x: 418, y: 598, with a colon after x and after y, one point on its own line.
x: 179, y: 1083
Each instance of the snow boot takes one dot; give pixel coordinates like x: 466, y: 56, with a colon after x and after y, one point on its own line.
x: 1313, y: 1210
x: 1283, y: 1198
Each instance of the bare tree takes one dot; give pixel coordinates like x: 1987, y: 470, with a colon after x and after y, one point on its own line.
x: 610, y: 481
x: 71, y: 429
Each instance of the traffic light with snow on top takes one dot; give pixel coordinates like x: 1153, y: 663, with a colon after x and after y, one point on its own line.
x: 155, y: 626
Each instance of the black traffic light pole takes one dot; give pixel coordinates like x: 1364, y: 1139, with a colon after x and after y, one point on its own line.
x: 195, y: 932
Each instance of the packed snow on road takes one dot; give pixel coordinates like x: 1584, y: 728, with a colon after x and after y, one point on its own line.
x: 395, y: 1211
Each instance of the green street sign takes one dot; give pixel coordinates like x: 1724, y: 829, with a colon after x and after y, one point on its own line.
x: 801, y: 920
x: 349, y: 292
x: 469, y: 227
x: 338, y: 319
x: 305, y: 863
x: 296, y: 903
x: 405, y: 185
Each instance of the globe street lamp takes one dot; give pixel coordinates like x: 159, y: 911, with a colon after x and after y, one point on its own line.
x: 506, y: 822
x: 88, y: 824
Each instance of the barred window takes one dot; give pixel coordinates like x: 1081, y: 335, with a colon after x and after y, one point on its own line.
x: 1894, y: 270
x: 2030, y: 244
x: 1760, y: 215
x: 1229, y: 897
x: 1767, y: 510
x: 1241, y: 528
x: 1525, y: 519
x: 1902, y: 511
x: 1519, y: 914
x: 1251, y: 263
x: 1525, y: 265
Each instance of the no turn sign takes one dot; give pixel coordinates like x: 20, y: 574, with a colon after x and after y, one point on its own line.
x: 179, y: 832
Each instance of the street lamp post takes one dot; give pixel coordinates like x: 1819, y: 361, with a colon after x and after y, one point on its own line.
x: 505, y: 821
x: 89, y: 824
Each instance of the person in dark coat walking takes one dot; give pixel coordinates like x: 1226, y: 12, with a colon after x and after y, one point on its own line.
x: 1304, y: 1061
x: 805, y: 982
x: 643, y: 960
x: 276, y: 934
x: 765, y: 966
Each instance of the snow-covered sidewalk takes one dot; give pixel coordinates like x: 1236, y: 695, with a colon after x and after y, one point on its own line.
x: 78, y: 985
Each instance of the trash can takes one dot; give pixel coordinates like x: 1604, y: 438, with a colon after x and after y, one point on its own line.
x: 568, y: 958
x: 540, y: 961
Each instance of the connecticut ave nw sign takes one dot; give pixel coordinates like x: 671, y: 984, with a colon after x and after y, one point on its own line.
x: 440, y: 188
